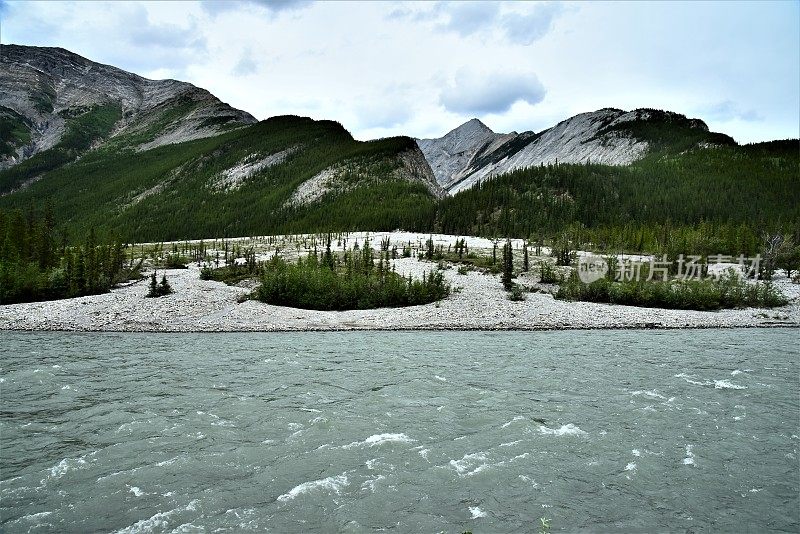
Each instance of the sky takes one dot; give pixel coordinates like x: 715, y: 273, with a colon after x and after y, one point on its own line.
x: 423, y: 68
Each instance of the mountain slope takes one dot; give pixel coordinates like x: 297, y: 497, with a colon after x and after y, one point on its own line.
x: 609, y: 136
x: 709, y: 200
x: 164, y: 159
x: 243, y: 182
x: 452, y: 153
x: 50, y: 96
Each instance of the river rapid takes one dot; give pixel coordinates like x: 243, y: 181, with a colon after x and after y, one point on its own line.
x: 624, y: 431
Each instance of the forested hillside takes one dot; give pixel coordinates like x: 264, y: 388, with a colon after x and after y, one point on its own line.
x: 241, y: 183
x: 153, y: 160
x: 710, y: 200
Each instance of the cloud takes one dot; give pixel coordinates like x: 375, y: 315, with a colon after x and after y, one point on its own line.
x: 381, y: 107
x: 219, y: 6
x: 380, y: 113
x: 466, y: 18
x: 395, y: 14
x: 474, y: 17
x: 524, y: 29
x: 146, y: 34
x: 246, y: 64
x: 478, y: 93
x: 728, y: 110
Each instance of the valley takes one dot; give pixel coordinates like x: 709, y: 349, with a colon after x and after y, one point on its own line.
x: 92, y: 150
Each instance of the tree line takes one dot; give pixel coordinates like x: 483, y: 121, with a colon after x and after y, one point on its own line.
x: 38, y: 263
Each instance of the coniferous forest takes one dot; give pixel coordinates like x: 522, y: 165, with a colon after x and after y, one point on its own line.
x: 707, y: 201
x: 352, y: 282
x: 38, y: 263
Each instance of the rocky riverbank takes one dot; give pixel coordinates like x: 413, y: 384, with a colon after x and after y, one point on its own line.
x: 478, y: 303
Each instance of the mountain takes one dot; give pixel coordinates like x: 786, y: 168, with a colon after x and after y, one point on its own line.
x: 451, y: 154
x: 163, y: 160
x: 167, y: 160
x: 48, y: 93
x: 473, y: 152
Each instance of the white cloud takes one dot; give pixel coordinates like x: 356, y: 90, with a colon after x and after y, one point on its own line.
x: 526, y: 28
x: 246, y: 64
x: 728, y: 110
x: 478, y: 93
x: 421, y: 69
x: 466, y: 18
x: 220, y: 6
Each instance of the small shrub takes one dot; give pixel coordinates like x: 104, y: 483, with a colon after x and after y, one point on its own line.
x: 175, y: 261
x: 548, y: 274
x: 516, y: 294
x: 463, y: 269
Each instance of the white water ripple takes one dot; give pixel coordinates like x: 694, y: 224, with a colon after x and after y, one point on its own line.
x: 332, y: 484
x: 565, y: 430
x: 378, y: 439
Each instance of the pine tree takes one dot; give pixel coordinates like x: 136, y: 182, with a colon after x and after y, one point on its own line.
x: 525, y: 263
x: 429, y: 249
x: 328, y: 258
x: 153, y: 286
x: 164, y: 288
x: 508, y: 266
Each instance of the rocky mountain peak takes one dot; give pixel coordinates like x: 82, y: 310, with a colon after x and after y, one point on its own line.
x: 611, y: 136
x: 471, y: 126
x: 43, y: 89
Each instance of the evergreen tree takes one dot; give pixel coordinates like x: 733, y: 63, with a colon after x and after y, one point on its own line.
x: 508, y: 266
x: 153, y: 286
x: 429, y: 249
x: 525, y: 262
x: 164, y: 288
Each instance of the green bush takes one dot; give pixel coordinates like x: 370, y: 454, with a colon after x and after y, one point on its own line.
x: 516, y: 293
x: 729, y: 291
x: 548, y: 274
x: 174, y: 261
x: 358, y: 284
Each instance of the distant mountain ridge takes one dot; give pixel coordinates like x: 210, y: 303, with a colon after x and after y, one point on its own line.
x: 44, y: 90
x: 473, y: 152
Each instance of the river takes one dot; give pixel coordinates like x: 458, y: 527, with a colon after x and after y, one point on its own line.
x: 624, y: 431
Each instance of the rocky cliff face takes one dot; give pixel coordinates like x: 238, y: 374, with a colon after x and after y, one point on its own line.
x: 450, y: 155
x: 472, y: 152
x: 411, y: 166
x: 41, y: 89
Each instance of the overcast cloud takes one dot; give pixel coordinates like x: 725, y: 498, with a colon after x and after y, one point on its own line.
x: 422, y: 69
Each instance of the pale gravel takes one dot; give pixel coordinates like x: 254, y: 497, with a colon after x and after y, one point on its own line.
x: 479, y: 304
